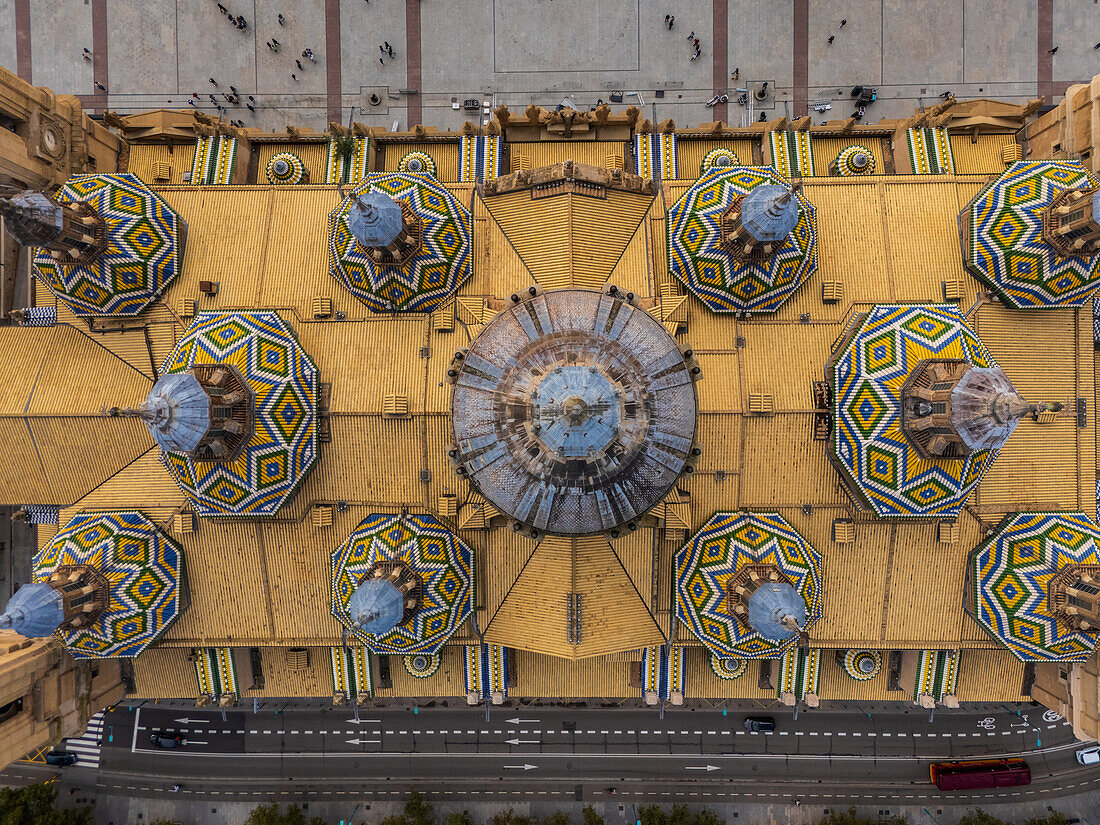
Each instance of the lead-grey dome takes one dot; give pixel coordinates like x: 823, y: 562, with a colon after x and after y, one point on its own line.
x: 35, y: 610
x: 773, y: 608
x: 769, y: 213
x: 375, y: 219
x: 573, y: 412
x: 377, y: 606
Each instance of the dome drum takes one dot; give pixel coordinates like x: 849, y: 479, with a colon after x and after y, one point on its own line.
x: 573, y: 412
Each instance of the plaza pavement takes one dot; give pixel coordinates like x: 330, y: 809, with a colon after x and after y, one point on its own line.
x: 155, y: 53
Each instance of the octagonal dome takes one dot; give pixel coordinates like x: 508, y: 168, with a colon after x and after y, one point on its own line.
x: 717, y: 277
x: 1009, y: 584
x: 727, y: 545
x: 1002, y: 237
x: 263, y: 349
x: 144, y: 569
x: 143, y: 254
x: 423, y: 282
x: 573, y: 412
x: 442, y: 563
x: 881, y: 467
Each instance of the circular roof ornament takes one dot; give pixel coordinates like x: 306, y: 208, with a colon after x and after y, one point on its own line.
x: 286, y: 168
x: 417, y: 163
x: 718, y: 159
x: 573, y: 412
x: 855, y: 160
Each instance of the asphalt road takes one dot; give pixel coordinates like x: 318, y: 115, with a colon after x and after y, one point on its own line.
x: 825, y: 756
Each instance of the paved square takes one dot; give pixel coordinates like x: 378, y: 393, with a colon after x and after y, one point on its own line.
x: 517, y: 52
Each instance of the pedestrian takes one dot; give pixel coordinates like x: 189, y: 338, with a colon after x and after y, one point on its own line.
x: 666, y: 19
x: 277, y: 43
x: 227, y: 97
x: 692, y: 35
x: 213, y: 83
x: 696, y: 42
x: 190, y: 102
x: 299, y: 64
x: 843, y: 23
x: 382, y: 49
x: 736, y: 73
x: 86, y: 56
x: 1097, y: 46
x: 391, y: 52
x: 195, y: 95
x: 695, y: 55
x: 213, y: 99
x: 312, y: 59
x: 242, y: 24
x: 671, y: 22
x: 100, y: 86
x: 295, y: 77
x: 251, y: 108
x: 1052, y: 51
x: 268, y: 44
x: 282, y: 20
x: 222, y: 8
x: 388, y: 47
x: 251, y: 99
x: 383, y: 62
x: 832, y: 37
x: 233, y: 88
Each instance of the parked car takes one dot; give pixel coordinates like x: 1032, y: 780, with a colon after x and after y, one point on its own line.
x: 760, y: 724
x: 1089, y: 756
x: 60, y: 758
x: 165, y: 740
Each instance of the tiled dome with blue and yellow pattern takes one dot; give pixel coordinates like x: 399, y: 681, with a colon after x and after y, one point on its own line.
x: 1003, y: 237
x: 723, y: 546
x: 283, y: 447
x: 443, y: 563
x: 721, y: 281
x: 143, y: 255
x: 868, y: 446
x: 430, y: 277
x: 1009, y: 576
x: 144, y: 570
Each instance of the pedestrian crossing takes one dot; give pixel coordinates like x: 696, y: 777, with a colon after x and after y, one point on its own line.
x: 87, y: 745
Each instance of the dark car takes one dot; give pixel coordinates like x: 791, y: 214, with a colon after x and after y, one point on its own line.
x: 60, y: 758
x: 165, y: 740
x: 760, y: 724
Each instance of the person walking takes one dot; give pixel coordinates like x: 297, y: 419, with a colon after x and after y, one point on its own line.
x: 86, y: 56
x: 692, y: 35
x: 299, y: 64
x: 100, y: 86
x: 390, y: 50
x: 832, y: 37
x: 251, y: 108
x: 282, y: 20
x: 295, y: 77
x: 213, y: 83
x: 671, y: 22
x: 222, y: 8
x: 383, y: 62
x: 666, y: 19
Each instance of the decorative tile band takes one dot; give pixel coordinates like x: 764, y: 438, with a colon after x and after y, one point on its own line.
x: 480, y: 158
x: 792, y: 153
x: 930, y: 151
x: 728, y: 667
x: 42, y: 513
x: 655, y: 156
x: 663, y: 671
x: 799, y: 672
x: 38, y: 316
x: 214, y: 159
x: 216, y: 671
x: 349, y: 168
x: 937, y: 674
x: 486, y: 669
x: 351, y: 672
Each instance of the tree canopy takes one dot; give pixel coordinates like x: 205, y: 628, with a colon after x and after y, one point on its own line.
x: 271, y: 815
x: 34, y: 805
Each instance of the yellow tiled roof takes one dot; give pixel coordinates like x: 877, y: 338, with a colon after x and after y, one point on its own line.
x: 885, y: 238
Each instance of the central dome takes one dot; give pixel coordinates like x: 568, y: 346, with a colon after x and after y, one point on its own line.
x: 574, y: 412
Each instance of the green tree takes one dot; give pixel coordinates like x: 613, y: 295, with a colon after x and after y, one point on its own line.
x: 850, y: 817
x: 459, y: 818
x: 510, y: 817
x: 34, y: 805
x: 976, y: 816
x: 705, y: 817
x: 1053, y: 818
x: 589, y: 816
x: 559, y: 818
x: 272, y: 815
x: 418, y: 811
x: 651, y: 815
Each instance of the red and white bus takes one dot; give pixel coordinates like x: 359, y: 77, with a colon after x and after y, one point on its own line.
x: 985, y: 773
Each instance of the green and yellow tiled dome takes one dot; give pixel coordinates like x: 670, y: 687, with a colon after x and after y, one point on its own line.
x: 720, y: 280
x: 283, y: 446
x: 882, y: 467
x: 724, y: 545
x: 443, y: 564
x: 144, y: 571
x: 144, y: 250
x: 285, y: 168
x: 1003, y: 244
x: 1009, y: 577
x: 440, y: 266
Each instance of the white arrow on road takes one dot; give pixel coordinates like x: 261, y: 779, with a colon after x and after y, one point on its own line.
x: 518, y: 721
x: 186, y: 721
x: 194, y: 742
x: 521, y: 741
x: 361, y: 721
x: 707, y: 768
x: 363, y: 741
x: 524, y: 767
